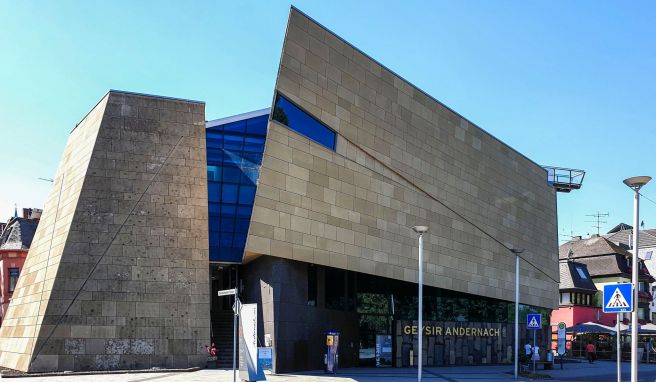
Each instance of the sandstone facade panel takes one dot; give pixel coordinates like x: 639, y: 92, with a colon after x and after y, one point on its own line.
x: 402, y: 159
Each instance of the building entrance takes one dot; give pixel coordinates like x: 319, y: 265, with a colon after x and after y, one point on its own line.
x: 223, y: 276
x: 376, y: 333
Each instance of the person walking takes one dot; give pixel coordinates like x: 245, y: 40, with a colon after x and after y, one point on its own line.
x: 591, y: 350
x: 536, y: 352
x: 528, y: 353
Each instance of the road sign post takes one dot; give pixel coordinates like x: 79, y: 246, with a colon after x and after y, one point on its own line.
x: 235, y: 307
x: 619, y: 351
x: 534, y: 323
x: 227, y: 292
x: 618, y: 298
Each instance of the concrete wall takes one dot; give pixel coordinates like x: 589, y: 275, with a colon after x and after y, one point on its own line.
x: 117, y: 275
x: 401, y: 157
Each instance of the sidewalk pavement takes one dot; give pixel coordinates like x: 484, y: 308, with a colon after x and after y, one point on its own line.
x: 598, y: 372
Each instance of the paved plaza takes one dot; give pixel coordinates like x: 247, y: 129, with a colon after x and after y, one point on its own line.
x: 598, y: 372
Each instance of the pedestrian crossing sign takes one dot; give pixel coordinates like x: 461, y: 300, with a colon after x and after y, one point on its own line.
x: 533, y: 321
x: 618, y: 298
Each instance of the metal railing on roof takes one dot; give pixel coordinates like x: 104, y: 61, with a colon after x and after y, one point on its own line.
x: 564, y: 179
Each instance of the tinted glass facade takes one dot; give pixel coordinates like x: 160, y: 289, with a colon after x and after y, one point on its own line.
x: 296, y: 119
x: 386, y: 308
x: 234, y: 157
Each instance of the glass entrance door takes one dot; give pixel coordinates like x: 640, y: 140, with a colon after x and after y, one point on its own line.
x: 375, y: 340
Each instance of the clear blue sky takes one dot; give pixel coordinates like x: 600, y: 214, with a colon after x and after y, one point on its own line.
x: 566, y: 83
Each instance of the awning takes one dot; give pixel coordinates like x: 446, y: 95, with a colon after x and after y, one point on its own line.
x: 590, y: 327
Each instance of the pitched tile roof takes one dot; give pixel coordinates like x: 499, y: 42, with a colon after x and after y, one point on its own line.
x: 573, y: 280
x: 602, y: 257
x: 624, y: 238
x: 18, y: 234
x: 608, y: 265
x: 620, y: 227
x: 594, y: 246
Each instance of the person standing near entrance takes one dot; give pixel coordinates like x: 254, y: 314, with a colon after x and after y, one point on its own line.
x: 212, y: 354
x: 591, y: 351
x: 648, y: 349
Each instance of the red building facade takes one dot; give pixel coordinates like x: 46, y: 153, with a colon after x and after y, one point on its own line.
x: 15, y: 241
x: 585, y: 266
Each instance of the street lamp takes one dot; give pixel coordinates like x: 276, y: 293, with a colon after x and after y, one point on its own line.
x: 517, y: 252
x: 420, y: 229
x: 635, y: 183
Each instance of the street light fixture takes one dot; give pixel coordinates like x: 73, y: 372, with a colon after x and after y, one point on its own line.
x: 635, y: 183
x: 517, y: 252
x: 420, y: 229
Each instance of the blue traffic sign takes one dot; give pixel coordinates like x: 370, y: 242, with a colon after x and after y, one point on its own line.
x: 533, y: 321
x: 618, y: 298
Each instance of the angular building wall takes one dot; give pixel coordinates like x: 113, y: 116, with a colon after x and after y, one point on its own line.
x: 401, y: 159
x: 117, y: 276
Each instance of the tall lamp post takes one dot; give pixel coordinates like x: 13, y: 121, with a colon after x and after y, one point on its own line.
x: 635, y: 183
x: 517, y: 252
x: 421, y: 230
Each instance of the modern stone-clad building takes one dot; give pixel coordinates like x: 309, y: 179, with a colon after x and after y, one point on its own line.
x: 306, y: 207
x: 117, y: 274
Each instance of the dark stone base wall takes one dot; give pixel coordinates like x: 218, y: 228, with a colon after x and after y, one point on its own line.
x: 459, y: 350
x: 280, y: 287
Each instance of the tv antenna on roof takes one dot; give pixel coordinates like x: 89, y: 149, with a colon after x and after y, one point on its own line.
x: 598, y: 220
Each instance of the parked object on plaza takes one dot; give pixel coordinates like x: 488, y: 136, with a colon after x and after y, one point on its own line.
x: 332, y: 352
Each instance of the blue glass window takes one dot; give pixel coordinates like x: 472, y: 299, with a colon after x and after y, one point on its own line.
x: 296, y: 119
x: 234, y: 157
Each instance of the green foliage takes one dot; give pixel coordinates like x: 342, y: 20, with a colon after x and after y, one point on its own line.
x: 280, y: 116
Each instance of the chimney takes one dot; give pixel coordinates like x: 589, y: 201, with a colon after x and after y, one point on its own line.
x: 26, y: 213
x: 35, y: 213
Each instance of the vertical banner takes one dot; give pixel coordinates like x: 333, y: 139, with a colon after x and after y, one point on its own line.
x: 249, y: 369
x: 383, y: 350
x: 561, y: 338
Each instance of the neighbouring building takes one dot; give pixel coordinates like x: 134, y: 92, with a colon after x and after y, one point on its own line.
x: 305, y: 207
x: 622, y: 235
x: 15, y: 240
x: 586, y: 265
x: 577, y: 295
